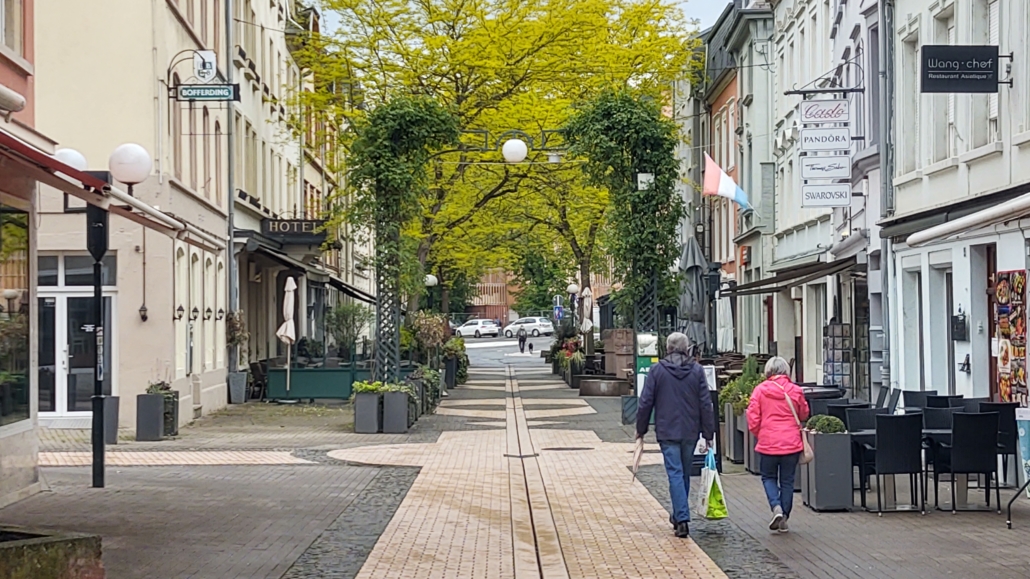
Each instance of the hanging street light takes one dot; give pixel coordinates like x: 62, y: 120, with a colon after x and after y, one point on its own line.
x: 515, y: 150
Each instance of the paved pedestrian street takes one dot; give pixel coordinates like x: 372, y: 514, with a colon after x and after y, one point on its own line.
x: 514, y: 477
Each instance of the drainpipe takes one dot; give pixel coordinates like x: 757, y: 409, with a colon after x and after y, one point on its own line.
x: 887, y: 176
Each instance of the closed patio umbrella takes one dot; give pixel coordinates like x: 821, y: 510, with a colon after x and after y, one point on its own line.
x: 692, y: 304
x: 287, y: 333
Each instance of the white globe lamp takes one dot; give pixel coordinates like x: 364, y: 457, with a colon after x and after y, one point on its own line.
x: 72, y: 158
x: 573, y: 288
x: 431, y: 280
x: 130, y: 164
x: 514, y: 150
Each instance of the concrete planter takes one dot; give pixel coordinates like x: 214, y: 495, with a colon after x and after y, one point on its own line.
x: 450, y: 373
x: 111, y: 419
x: 29, y: 554
x: 367, y: 412
x: 150, y: 421
x: 237, y: 387
x: 395, y: 412
x: 826, y: 482
x: 733, y: 437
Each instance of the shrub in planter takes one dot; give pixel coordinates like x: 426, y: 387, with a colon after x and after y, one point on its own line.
x: 826, y: 482
x: 367, y: 400
x: 170, y: 415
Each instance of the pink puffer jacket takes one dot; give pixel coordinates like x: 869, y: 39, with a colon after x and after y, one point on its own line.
x: 769, y: 417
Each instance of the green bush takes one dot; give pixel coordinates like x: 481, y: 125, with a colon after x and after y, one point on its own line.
x: 366, y: 387
x: 825, y: 424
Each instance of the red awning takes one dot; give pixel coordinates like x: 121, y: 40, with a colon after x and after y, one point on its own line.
x: 50, y: 171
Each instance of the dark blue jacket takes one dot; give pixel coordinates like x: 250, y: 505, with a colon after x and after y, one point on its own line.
x: 677, y: 391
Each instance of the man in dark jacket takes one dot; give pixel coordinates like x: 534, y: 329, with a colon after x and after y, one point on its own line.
x: 677, y: 391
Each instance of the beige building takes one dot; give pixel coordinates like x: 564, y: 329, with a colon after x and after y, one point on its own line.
x: 179, y: 336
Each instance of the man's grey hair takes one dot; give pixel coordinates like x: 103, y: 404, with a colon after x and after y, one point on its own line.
x: 777, y: 366
x: 677, y: 342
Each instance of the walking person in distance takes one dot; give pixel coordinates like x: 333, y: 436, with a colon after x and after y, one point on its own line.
x: 676, y: 389
x: 775, y: 414
x: 522, y: 340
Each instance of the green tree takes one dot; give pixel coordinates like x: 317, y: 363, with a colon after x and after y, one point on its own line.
x: 346, y: 323
x: 622, y: 135
x: 541, y: 275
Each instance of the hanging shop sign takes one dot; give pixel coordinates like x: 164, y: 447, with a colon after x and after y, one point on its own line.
x: 294, y: 231
x: 205, y: 65
x: 825, y: 111
x: 1010, y: 318
x: 828, y: 167
x: 835, y: 195
x: 207, y: 92
x: 826, y: 139
x: 959, y: 69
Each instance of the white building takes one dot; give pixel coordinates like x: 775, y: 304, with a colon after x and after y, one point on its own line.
x: 961, y: 198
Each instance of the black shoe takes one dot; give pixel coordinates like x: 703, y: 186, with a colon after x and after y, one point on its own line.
x: 683, y: 530
x: 672, y: 522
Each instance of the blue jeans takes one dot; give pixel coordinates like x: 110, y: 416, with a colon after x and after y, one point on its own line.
x: 678, y: 458
x: 778, y: 479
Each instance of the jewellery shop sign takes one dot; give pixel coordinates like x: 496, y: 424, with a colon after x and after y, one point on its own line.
x: 826, y: 142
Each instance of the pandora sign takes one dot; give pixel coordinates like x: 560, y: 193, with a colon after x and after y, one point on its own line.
x: 825, y: 111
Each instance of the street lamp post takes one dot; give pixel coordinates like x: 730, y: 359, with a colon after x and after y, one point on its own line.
x: 431, y: 282
x: 573, y: 289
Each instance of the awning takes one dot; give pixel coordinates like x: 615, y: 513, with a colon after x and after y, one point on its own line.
x: 792, y: 278
x: 1009, y: 211
x: 49, y: 171
x: 351, y: 290
x: 905, y: 225
x: 311, y: 272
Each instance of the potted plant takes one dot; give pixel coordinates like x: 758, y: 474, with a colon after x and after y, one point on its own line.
x: 367, y: 399
x: 237, y: 336
x: 826, y: 482
x: 577, y: 364
x: 397, y: 411
x: 730, y: 398
x: 346, y: 323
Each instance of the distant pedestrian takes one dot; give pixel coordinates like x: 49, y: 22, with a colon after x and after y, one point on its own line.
x: 523, y: 336
x: 777, y: 409
x: 677, y: 391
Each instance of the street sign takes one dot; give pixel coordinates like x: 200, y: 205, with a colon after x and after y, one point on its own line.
x: 959, y: 69
x: 207, y: 92
x: 825, y: 111
x: 828, y: 167
x: 826, y: 139
x: 559, y: 312
x: 826, y: 195
x: 205, y: 65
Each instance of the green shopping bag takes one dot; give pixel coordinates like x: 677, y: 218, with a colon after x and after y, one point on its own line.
x: 713, y: 503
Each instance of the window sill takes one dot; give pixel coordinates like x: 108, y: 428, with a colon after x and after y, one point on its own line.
x: 940, y: 166
x: 908, y: 178
x: 981, y: 153
x: 17, y: 60
x: 1021, y: 139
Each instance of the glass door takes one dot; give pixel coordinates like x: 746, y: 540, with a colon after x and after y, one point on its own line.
x: 67, y: 350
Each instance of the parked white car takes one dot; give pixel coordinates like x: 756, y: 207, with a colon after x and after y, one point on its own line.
x: 534, y: 327
x: 478, y: 328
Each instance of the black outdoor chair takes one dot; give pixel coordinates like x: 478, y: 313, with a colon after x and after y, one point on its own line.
x: 258, y: 380
x: 899, y: 450
x: 893, y: 404
x: 915, y: 398
x: 862, y: 418
x: 819, y: 406
x: 1008, y: 437
x: 948, y: 401
x: 841, y: 410
x: 881, y: 397
x: 935, y: 419
x: 973, y: 450
x: 972, y: 405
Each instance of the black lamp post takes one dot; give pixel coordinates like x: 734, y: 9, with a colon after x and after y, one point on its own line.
x: 96, y: 242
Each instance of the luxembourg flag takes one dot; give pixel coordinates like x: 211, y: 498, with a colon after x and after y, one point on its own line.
x: 717, y: 182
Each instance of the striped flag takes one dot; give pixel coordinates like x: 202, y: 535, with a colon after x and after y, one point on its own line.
x: 717, y: 182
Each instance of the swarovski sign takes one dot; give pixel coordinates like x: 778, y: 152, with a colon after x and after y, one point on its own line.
x: 829, y: 139
x: 826, y: 111
x: 837, y: 195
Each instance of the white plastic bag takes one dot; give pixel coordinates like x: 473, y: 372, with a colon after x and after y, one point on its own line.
x: 712, y: 503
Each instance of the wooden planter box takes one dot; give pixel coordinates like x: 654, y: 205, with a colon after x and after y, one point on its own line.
x: 733, y: 437
x: 368, y: 413
x: 826, y: 482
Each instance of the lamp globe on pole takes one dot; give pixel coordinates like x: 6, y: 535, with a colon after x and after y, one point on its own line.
x: 72, y: 158
x: 431, y: 280
x: 514, y: 150
x: 573, y: 288
x: 131, y: 164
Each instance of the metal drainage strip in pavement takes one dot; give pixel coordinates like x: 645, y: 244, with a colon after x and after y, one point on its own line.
x: 538, y: 553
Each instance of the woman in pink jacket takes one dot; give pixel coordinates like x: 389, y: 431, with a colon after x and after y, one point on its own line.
x: 777, y: 406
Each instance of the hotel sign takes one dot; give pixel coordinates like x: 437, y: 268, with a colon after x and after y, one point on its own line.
x: 294, y: 231
x: 959, y: 69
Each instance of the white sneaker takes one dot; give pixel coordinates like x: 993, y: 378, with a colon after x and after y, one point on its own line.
x: 777, y: 520
x: 783, y: 525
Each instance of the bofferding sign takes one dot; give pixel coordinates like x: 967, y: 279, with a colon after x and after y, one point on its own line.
x: 828, y: 167
x: 829, y: 139
x: 294, y: 231
x: 825, y: 111
x: 959, y: 69
x: 826, y: 195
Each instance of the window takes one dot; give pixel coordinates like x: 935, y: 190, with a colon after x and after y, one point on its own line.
x: 873, y: 81
x: 731, y: 136
x: 206, y: 135
x: 78, y: 270
x: 718, y: 139
x: 14, y: 320
x: 12, y: 24
x: 176, y: 132
x: 47, y: 274
x: 203, y: 24
x: 909, y: 133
